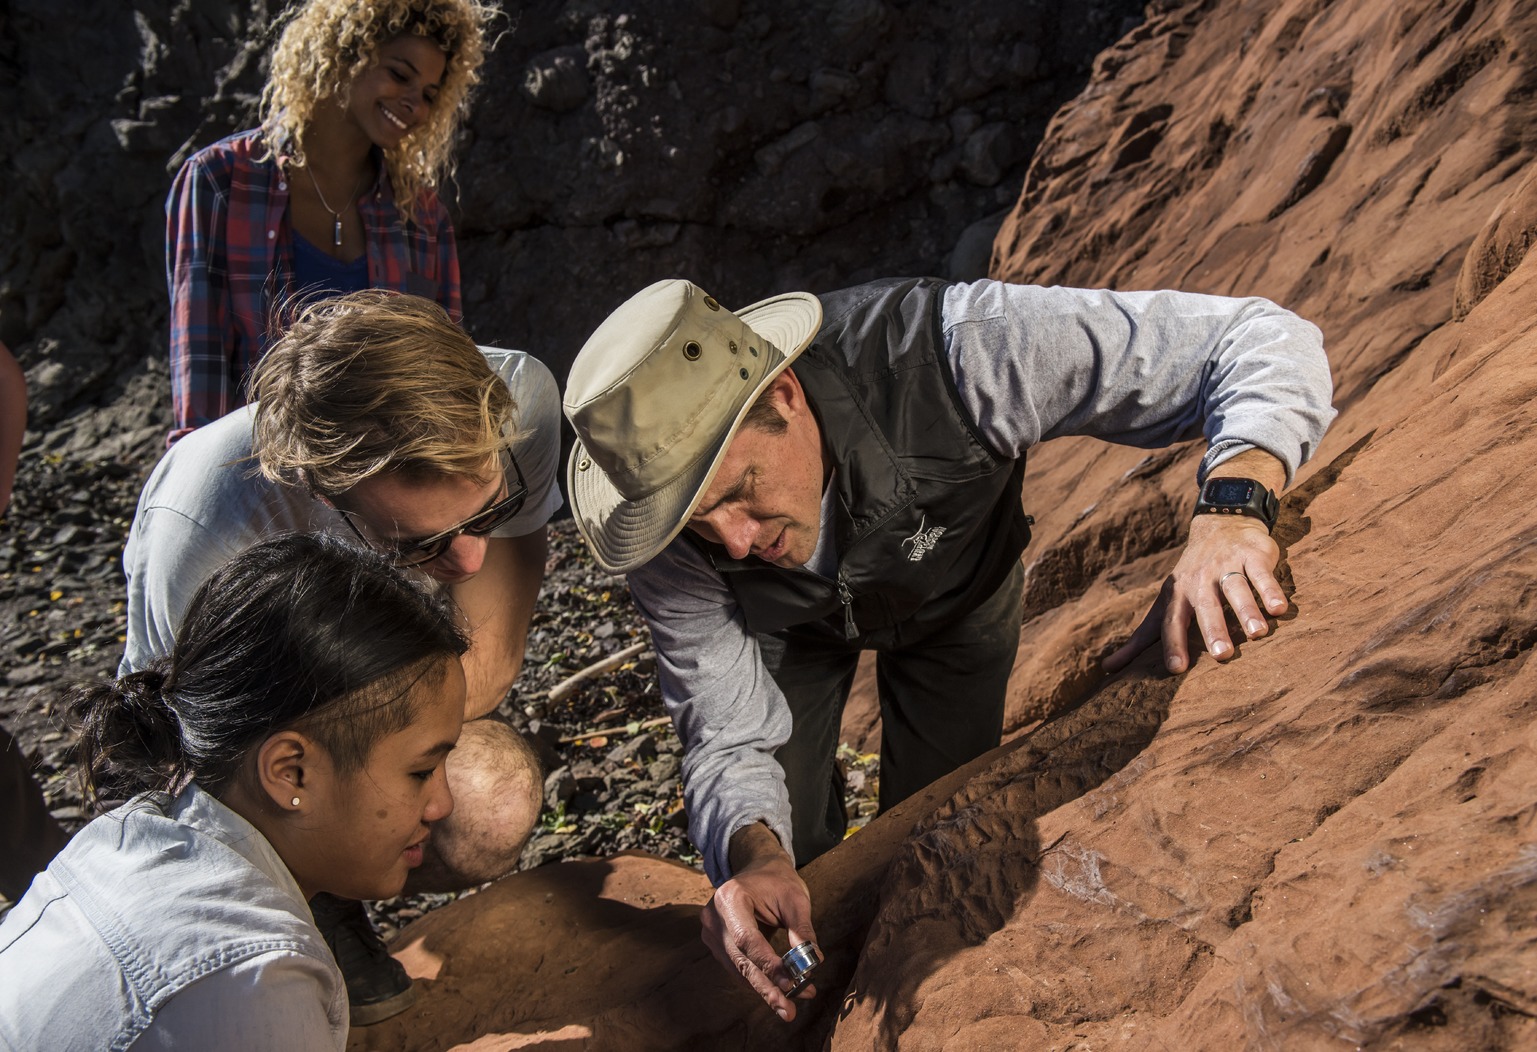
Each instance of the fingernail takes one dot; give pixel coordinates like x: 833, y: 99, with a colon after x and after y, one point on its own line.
x: 783, y: 1014
x: 1176, y: 665
x: 1219, y: 648
x: 1255, y: 627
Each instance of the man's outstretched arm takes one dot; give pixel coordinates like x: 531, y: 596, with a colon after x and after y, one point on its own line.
x: 764, y: 891
x: 1150, y: 369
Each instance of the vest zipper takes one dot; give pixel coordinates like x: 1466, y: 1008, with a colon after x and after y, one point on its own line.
x: 850, y: 630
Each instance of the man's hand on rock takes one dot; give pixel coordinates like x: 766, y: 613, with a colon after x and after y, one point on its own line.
x: 765, y: 891
x: 1228, y: 563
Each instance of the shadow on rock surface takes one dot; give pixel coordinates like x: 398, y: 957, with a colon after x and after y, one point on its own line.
x: 976, y: 860
x: 578, y: 954
x: 606, y: 953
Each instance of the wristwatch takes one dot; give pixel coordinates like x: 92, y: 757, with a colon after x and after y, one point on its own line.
x: 1235, y: 496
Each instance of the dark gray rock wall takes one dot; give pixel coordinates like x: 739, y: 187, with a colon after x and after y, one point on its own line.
x: 751, y: 146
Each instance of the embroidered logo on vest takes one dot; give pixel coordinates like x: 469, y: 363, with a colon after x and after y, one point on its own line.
x: 923, y: 541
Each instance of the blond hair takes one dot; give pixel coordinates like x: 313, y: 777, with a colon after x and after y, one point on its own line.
x: 327, y: 43
x: 373, y: 382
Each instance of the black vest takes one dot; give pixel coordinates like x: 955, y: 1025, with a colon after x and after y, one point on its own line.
x: 927, y: 518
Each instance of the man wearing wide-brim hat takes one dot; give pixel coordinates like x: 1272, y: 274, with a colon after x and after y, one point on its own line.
x: 808, y: 477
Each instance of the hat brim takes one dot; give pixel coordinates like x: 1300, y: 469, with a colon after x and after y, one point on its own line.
x: 626, y: 534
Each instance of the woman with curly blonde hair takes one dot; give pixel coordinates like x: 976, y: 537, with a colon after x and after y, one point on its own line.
x: 335, y: 192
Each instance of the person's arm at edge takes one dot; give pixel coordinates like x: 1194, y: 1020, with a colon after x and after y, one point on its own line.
x: 13, y: 421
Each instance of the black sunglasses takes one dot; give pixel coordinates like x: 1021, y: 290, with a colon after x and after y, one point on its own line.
x: 416, y: 553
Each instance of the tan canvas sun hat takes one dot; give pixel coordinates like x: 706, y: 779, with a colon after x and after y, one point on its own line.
x: 655, y: 396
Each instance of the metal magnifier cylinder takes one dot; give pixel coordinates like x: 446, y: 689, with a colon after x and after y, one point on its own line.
x: 800, y: 961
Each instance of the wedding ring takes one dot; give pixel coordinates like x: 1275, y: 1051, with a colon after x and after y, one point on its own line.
x: 1231, y: 573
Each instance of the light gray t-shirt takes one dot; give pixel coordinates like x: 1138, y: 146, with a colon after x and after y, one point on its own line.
x: 205, y: 502
x: 1144, y: 369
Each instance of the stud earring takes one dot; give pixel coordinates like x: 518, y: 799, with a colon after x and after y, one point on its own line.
x: 295, y: 802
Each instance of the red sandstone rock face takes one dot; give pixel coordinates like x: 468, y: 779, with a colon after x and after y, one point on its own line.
x: 1330, y: 842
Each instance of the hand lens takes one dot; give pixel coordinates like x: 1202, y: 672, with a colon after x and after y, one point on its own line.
x: 800, y: 962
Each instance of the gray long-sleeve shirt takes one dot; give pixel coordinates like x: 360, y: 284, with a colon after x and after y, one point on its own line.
x: 1146, y: 369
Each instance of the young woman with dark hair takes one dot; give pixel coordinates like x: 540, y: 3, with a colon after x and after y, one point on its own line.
x: 292, y: 744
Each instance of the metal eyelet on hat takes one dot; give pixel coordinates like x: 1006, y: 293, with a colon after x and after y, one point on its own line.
x: 691, y: 351
x: 583, y: 464
x: 753, y: 351
x: 732, y: 345
x: 744, y: 374
x: 709, y: 301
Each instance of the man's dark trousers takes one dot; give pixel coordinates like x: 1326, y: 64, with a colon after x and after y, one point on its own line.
x: 942, y: 691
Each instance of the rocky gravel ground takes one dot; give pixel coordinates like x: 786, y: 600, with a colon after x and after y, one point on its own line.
x: 612, y: 758
x: 61, y: 602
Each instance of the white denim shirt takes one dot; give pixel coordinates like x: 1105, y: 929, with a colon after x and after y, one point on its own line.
x: 1144, y: 369
x: 168, y: 924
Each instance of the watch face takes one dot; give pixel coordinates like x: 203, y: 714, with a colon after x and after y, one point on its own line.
x: 1229, y: 492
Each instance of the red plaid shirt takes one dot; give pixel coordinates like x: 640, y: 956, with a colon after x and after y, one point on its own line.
x: 229, y: 265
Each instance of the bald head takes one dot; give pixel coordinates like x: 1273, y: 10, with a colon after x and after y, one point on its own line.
x: 498, y: 787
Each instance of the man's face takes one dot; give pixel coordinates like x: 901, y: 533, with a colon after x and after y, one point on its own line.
x: 766, y: 498
x: 393, y: 511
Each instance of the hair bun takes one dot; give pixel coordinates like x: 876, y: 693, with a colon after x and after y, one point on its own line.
x: 142, y: 697
x: 151, y: 680
x: 130, y: 737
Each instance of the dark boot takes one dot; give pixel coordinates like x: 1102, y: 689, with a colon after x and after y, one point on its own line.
x: 377, y: 986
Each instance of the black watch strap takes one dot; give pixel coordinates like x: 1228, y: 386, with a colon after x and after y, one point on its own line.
x: 1239, y: 496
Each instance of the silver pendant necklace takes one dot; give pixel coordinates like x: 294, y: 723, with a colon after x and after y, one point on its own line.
x: 335, y: 215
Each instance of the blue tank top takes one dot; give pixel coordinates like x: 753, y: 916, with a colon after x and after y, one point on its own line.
x: 319, y: 275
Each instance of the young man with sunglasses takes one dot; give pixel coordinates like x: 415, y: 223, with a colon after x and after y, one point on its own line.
x: 377, y: 419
